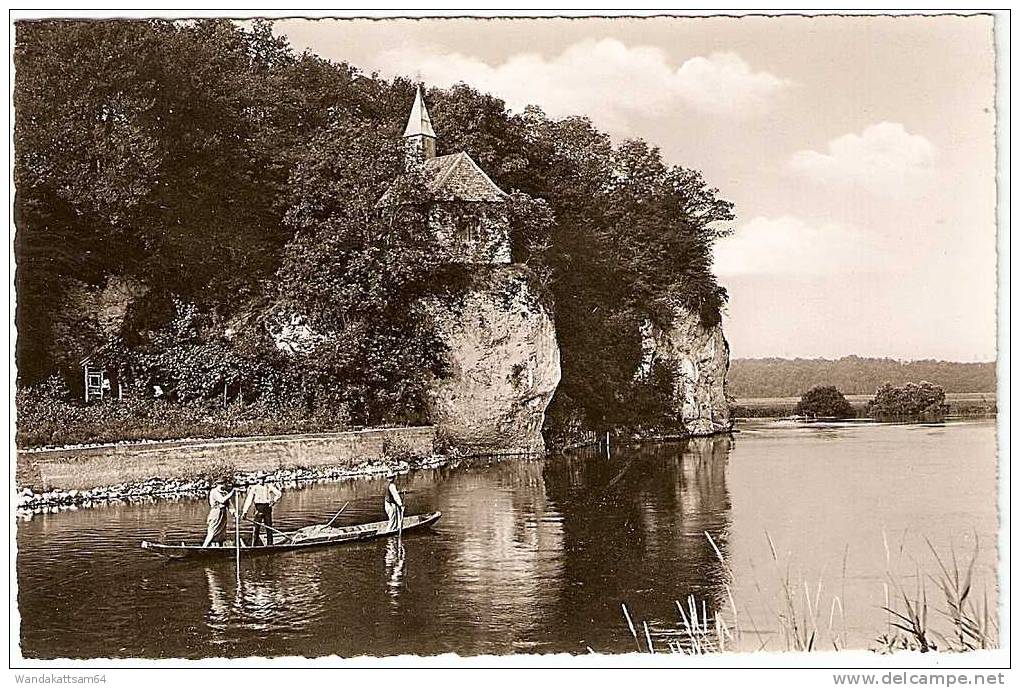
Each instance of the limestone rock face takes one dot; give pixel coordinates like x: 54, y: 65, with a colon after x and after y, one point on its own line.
x: 504, y: 363
x: 699, y: 357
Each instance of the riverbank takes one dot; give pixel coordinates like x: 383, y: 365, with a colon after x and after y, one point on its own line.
x: 82, y: 476
x: 59, y: 478
x: 159, y: 488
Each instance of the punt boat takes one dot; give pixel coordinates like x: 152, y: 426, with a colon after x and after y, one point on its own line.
x: 304, y: 538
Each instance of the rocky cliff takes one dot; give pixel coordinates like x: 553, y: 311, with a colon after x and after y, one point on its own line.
x: 504, y: 366
x: 699, y: 358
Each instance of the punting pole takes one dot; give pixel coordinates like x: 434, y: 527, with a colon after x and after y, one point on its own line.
x: 237, y: 534
x: 337, y: 515
x: 267, y: 527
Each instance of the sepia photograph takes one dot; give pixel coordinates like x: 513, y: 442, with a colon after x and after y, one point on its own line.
x: 457, y: 339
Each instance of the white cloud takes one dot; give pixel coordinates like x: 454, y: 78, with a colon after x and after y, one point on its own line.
x: 723, y: 82
x: 605, y: 79
x: 790, y: 246
x: 884, y: 159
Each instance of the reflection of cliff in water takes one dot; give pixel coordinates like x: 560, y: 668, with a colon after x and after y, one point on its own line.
x: 634, y: 532
x: 505, y: 566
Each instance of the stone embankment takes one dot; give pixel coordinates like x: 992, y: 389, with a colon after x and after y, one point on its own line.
x: 124, y: 472
x: 158, y: 488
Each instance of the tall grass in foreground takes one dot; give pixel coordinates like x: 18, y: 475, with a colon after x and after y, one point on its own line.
x: 970, y: 622
x: 957, y: 623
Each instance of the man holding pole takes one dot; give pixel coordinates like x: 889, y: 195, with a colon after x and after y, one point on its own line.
x: 263, y: 497
x: 393, y: 504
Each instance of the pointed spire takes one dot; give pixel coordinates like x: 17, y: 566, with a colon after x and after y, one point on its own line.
x: 419, y: 123
x: 419, y: 134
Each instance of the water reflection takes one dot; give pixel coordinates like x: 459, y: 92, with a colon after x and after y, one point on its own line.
x: 507, y: 561
x: 396, y: 556
x: 634, y: 533
x: 218, y: 618
x: 530, y: 555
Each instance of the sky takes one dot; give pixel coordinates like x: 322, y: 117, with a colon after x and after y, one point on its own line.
x: 859, y: 153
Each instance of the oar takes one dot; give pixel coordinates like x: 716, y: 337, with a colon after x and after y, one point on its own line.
x: 337, y: 515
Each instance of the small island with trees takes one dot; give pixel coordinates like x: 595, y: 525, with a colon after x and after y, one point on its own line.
x: 920, y: 401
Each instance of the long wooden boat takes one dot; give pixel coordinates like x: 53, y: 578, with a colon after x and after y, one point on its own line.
x: 303, y: 538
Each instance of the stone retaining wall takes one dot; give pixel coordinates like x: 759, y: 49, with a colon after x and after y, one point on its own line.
x: 90, y: 467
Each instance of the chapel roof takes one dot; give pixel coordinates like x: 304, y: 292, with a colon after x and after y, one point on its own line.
x: 456, y: 177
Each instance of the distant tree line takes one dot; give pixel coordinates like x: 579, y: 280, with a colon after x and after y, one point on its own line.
x: 751, y: 378
x: 911, y: 401
x: 182, y: 186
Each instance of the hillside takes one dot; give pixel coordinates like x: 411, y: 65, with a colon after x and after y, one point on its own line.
x: 751, y: 378
x: 189, y: 193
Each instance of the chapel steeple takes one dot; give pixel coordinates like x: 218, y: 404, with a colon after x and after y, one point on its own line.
x: 464, y: 208
x: 419, y: 136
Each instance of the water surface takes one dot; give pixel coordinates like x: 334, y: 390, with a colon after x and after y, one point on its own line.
x: 538, y: 555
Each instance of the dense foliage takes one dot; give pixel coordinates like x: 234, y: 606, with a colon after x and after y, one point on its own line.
x: 752, y: 378
x: 46, y: 418
x: 923, y: 400
x: 824, y: 401
x: 188, y: 191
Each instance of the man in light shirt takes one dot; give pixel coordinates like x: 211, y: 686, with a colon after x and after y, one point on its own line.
x: 263, y: 497
x: 393, y: 503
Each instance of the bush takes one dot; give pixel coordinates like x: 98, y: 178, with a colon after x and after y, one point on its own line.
x: 923, y: 401
x: 397, y: 449
x: 48, y: 420
x: 824, y: 401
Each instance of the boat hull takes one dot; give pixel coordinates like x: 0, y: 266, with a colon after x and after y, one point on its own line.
x: 305, y: 538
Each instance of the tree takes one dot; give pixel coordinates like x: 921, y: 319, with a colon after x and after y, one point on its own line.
x: 824, y: 401
x: 157, y: 151
x: 362, y: 276
x: 924, y: 400
x: 215, y: 167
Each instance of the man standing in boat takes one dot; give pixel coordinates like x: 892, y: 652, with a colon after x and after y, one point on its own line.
x: 263, y: 497
x: 219, y: 505
x: 393, y: 503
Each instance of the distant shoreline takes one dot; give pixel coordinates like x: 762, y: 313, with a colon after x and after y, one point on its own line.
x: 753, y: 378
x: 961, y: 404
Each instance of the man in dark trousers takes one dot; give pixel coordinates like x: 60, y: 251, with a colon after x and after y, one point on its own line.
x: 263, y: 497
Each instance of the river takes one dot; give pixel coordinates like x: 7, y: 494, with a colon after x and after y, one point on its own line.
x: 538, y: 555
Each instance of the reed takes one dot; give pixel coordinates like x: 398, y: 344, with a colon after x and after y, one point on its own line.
x: 808, y: 619
x: 630, y: 625
x: 971, y: 626
x: 912, y: 619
